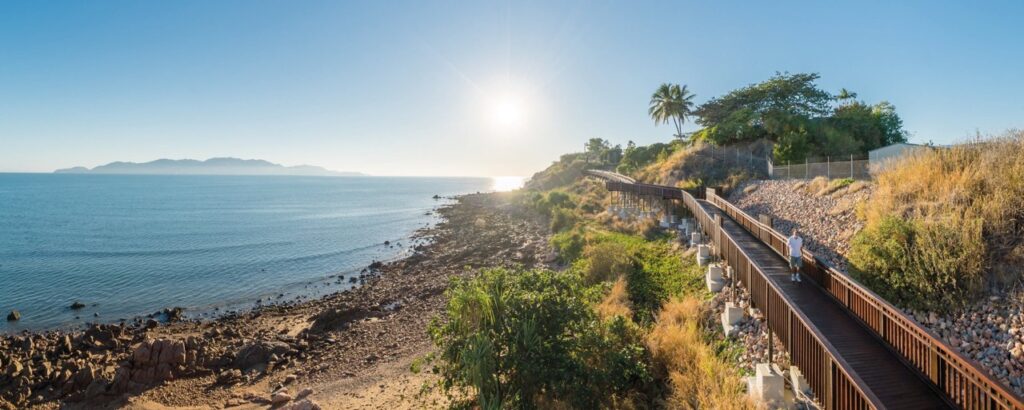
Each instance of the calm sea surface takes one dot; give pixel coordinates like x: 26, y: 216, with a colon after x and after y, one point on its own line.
x: 130, y: 245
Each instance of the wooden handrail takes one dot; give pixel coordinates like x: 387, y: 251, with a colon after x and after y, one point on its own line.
x: 962, y: 380
x: 983, y: 381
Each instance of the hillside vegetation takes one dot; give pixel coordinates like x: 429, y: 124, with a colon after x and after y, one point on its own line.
x: 619, y: 326
x: 944, y: 224
x: 786, y: 118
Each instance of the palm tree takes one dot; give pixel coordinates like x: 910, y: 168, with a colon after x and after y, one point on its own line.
x: 671, y: 102
x: 846, y: 95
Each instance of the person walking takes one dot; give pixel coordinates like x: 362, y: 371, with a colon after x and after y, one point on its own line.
x: 796, y: 261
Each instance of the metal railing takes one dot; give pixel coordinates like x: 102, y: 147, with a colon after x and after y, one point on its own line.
x: 962, y: 380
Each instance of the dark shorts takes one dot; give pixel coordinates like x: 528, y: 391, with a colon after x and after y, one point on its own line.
x: 796, y: 262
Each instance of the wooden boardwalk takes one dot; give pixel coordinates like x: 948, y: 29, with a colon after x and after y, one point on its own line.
x: 856, y: 350
x: 896, y: 385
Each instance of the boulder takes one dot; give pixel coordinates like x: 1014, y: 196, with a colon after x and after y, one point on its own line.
x: 280, y: 397
x: 304, y: 404
x: 14, y: 369
x: 259, y: 353
x: 13, y: 316
x: 175, y: 314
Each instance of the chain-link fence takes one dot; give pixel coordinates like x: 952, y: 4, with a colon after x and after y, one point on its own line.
x: 829, y: 167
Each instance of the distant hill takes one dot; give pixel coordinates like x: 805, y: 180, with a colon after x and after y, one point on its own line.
x: 212, y: 166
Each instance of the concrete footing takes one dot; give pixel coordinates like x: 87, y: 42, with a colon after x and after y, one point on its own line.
x: 695, y: 239
x: 799, y: 383
x: 714, y: 278
x: 703, y: 255
x: 731, y: 316
x: 767, y: 386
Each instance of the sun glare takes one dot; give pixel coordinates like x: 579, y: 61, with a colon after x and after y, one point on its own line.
x: 504, y: 184
x: 507, y: 112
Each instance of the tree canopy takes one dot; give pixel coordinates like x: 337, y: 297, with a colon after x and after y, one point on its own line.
x: 800, y: 118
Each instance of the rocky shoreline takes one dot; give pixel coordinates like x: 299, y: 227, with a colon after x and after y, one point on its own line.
x: 276, y: 354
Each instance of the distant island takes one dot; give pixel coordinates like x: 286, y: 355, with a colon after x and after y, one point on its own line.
x: 212, y: 166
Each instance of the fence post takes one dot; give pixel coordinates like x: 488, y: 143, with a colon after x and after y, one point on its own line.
x: 806, y: 167
x: 851, y: 166
x: 828, y: 167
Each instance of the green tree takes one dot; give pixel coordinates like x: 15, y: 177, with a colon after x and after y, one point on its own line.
x: 671, y: 102
x: 741, y: 115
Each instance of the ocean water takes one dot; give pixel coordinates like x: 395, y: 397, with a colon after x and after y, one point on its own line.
x: 129, y: 245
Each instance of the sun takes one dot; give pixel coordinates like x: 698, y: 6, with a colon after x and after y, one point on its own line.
x: 507, y: 112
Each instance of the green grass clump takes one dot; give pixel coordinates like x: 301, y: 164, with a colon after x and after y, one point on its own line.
x: 835, y: 185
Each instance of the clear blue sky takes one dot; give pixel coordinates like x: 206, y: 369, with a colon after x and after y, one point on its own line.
x: 414, y: 88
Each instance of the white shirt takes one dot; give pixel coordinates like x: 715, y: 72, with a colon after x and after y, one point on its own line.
x: 796, y: 244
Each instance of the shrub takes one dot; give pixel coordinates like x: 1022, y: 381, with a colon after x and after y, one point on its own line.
x: 933, y: 265
x: 568, y: 244
x: 513, y: 337
x: 607, y: 261
x: 698, y: 377
x: 562, y: 219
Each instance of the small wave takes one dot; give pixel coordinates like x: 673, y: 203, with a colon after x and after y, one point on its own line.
x: 157, y: 252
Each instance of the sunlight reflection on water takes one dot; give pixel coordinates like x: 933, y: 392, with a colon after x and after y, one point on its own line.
x: 507, y: 183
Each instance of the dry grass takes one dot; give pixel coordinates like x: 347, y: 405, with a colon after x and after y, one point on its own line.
x: 968, y: 197
x: 699, y: 378
x: 836, y: 187
x: 607, y: 261
x: 817, y: 185
x: 697, y: 164
x: 616, y: 303
x: 799, y: 185
x: 856, y: 186
x: 982, y: 180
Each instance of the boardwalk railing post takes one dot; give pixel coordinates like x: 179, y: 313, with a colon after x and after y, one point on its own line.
x: 829, y: 386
